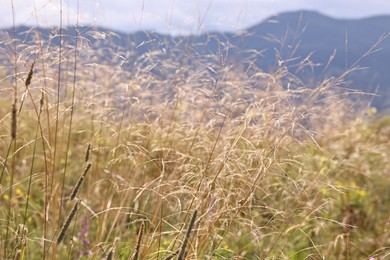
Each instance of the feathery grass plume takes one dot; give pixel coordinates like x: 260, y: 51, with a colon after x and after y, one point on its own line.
x: 69, y: 219
x: 41, y: 102
x: 13, y: 122
x: 30, y: 74
x: 139, y: 238
x: 184, y: 246
x: 87, y: 153
x: 27, y: 84
x: 21, y: 240
x: 80, y: 181
x: 21, y: 235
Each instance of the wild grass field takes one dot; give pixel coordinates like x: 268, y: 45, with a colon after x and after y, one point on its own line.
x: 211, y: 161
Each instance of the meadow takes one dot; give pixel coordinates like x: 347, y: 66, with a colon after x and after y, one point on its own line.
x: 210, y: 161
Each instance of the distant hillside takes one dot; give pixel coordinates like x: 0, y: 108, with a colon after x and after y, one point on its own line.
x: 322, y: 35
x: 280, y: 41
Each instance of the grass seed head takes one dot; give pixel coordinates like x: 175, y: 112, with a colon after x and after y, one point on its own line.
x: 67, y: 222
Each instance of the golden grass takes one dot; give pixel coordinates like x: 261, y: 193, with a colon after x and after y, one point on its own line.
x: 268, y: 167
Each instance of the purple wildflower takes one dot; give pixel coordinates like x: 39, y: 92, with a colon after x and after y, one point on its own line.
x: 84, y: 238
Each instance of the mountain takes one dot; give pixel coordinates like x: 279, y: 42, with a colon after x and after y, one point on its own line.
x: 283, y: 40
x: 363, y: 42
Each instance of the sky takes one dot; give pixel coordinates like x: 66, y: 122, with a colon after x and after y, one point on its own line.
x: 175, y: 16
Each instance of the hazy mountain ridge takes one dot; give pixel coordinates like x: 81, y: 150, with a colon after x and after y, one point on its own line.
x: 281, y: 40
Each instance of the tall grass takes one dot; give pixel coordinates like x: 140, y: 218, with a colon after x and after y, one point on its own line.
x: 268, y: 167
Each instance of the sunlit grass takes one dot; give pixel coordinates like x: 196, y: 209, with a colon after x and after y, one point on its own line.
x: 238, y: 163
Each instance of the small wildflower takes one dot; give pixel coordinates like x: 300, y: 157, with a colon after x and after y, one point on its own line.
x: 19, y: 192
x: 361, y: 193
x: 84, y: 237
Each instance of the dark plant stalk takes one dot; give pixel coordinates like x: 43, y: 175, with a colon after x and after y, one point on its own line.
x: 139, y: 238
x: 5, y: 161
x: 80, y: 181
x: 184, y: 246
x: 13, y: 137
x: 67, y: 222
x: 87, y: 153
x: 27, y: 84
x: 31, y: 174
x: 110, y: 254
x: 42, y: 103
x: 18, y: 254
